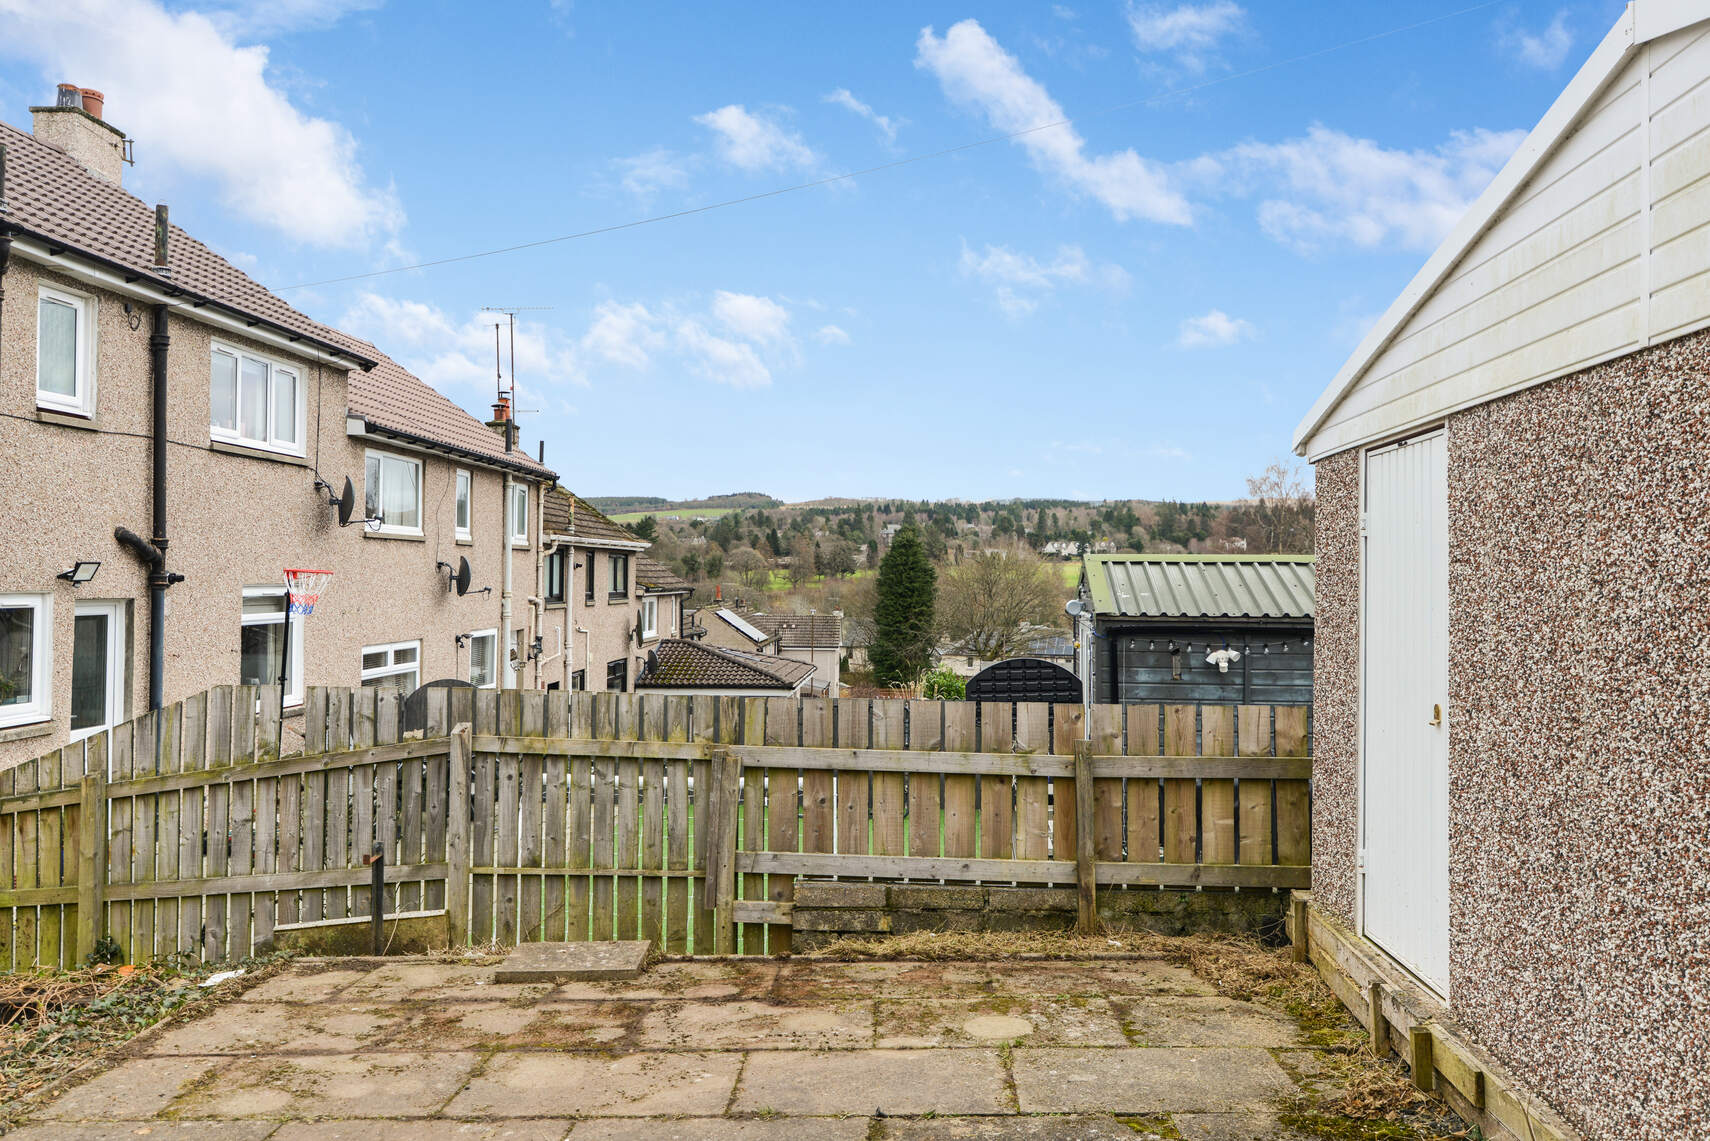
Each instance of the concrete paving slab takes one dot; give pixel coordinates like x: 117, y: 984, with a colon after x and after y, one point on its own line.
x: 742, y: 1025
x: 584, y: 1085
x: 861, y: 1081
x: 136, y: 1089
x: 1258, y: 1125
x: 439, y: 982
x: 367, y: 1129
x: 153, y: 1130
x: 1146, y: 1080
x: 304, y: 982
x: 708, y: 981
x: 722, y: 1129
x: 402, y: 1084
x: 502, y: 1025
x: 1115, y: 977
x: 276, y: 1027
x: 1035, y: 1020
x: 1089, y: 1127
x: 808, y: 980
x: 1171, y: 1020
x: 606, y: 961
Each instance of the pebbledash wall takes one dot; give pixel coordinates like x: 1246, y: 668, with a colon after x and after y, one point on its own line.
x: 234, y: 520
x: 1579, y: 733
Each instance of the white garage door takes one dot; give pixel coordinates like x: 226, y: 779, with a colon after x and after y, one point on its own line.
x: 1405, y: 813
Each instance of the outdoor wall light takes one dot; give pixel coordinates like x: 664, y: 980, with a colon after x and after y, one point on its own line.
x: 81, y: 573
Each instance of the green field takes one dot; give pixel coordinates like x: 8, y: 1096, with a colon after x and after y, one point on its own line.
x: 1071, y: 574
x: 684, y: 513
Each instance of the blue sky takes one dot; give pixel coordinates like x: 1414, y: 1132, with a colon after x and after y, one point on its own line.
x: 1139, y: 304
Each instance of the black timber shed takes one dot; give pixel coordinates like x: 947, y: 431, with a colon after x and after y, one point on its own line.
x: 1157, y: 619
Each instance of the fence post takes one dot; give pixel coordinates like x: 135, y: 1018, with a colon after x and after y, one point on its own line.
x: 457, y: 767
x: 1086, y: 866
x: 725, y: 772
x: 91, y: 862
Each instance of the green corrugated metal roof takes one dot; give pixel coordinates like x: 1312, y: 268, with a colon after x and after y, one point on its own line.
x: 1201, y: 586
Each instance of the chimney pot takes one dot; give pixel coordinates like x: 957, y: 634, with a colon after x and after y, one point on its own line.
x: 70, y: 95
x: 93, y: 101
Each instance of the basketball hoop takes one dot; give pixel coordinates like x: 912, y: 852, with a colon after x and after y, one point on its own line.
x: 305, y: 587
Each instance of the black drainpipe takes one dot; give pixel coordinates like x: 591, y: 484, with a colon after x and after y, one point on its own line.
x: 152, y: 552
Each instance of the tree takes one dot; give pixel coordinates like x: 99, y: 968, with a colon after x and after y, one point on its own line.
x: 801, y: 558
x: 1284, y: 512
x: 902, y: 612
x: 750, y: 566
x: 691, y: 565
x: 647, y: 527
x: 992, y: 604
x: 838, y: 557
x: 714, y: 562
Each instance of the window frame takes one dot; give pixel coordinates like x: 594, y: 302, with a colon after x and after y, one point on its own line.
x: 118, y: 665
x: 561, y: 557
x: 649, y: 618
x: 613, y: 590
x: 463, y: 504
x: 82, y: 400
x: 40, y: 707
x: 392, y: 668
x: 379, y: 510
x: 294, y: 667
x: 623, y: 673
x: 271, y: 440
x: 589, y: 578
x: 517, y: 511
x: 491, y: 636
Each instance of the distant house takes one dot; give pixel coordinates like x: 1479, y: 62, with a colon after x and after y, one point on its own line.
x: 815, y: 638
x: 857, y: 639
x: 1046, y: 645
x: 1061, y: 549
x: 593, y: 597
x: 681, y: 667
x: 726, y: 627
x: 1225, y: 629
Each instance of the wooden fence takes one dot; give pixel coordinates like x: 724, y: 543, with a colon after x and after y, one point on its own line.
x: 527, y: 816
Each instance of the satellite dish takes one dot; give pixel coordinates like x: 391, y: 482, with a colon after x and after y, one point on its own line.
x: 1073, y: 608
x: 346, y: 503
x: 461, y: 582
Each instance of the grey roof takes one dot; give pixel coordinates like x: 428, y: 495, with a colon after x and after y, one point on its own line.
x: 1275, y: 587
x: 802, y: 630
x: 682, y: 664
x: 745, y: 627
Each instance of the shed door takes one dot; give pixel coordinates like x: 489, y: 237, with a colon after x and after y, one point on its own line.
x: 1405, y: 805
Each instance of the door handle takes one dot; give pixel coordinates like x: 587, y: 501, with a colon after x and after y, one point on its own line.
x: 1436, y: 715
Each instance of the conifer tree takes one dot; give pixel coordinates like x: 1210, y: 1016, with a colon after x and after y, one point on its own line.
x: 902, y: 613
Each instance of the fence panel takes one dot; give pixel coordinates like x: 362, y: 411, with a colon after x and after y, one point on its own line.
x: 592, y: 816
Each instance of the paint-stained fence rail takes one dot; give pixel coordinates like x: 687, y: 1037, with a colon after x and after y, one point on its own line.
x: 527, y: 816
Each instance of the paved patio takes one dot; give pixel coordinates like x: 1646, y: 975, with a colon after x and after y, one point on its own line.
x: 419, y: 1051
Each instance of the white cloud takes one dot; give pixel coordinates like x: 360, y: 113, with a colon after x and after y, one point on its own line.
x: 1020, y: 280
x: 758, y: 319
x: 1545, y: 49
x: 453, y: 353
x: 1213, y: 329
x: 1330, y: 187
x: 651, y: 171
x: 754, y: 142
x: 203, y: 106
x: 1188, y: 31
x: 831, y: 335
x: 844, y: 98
x: 976, y: 72
x: 627, y: 335
x: 722, y: 359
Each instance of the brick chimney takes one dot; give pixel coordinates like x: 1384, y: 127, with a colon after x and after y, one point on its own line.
x: 74, y: 125
x: 501, y: 421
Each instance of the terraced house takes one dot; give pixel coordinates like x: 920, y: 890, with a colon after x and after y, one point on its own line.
x: 174, y: 436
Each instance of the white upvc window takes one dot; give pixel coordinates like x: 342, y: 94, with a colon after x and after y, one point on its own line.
x: 465, y: 489
x: 649, y: 617
x: 254, y: 401
x: 483, y: 655
x: 393, y: 486
x: 26, y: 658
x: 98, y: 659
x: 262, y: 640
x: 396, y: 665
x: 65, y: 352
x: 519, y: 514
